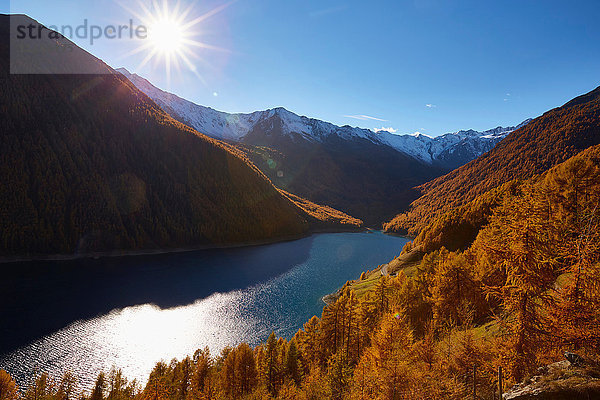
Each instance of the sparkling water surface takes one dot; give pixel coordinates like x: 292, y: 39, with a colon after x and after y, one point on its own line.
x: 86, y: 316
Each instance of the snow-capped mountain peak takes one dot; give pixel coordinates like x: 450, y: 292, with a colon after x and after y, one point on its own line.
x: 451, y: 149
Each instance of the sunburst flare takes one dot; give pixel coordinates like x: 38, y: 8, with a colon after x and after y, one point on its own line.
x: 173, y: 35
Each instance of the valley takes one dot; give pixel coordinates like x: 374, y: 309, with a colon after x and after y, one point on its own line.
x: 369, y: 175
x: 152, y: 248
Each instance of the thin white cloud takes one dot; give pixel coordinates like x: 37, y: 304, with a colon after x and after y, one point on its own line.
x: 430, y: 105
x: 383, y: 129
x: 365, y: 118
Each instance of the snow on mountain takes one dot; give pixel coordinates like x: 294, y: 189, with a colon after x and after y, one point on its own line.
x: 451, y: 149
x: 428, y: 149
x: 211, y: 122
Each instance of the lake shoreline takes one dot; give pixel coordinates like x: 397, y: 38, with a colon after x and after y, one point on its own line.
x: 134, y: 253
x: 98, y: 313
x: 332, y: 297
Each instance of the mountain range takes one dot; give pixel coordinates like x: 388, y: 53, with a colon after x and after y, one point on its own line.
x: 365, y: 173
x: 503, y: 274
x: 449, y: 150
x: 104, y: 161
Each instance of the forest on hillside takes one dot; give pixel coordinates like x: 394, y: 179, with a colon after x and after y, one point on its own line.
x: 91, y: 164
x: 543, y: 143
x: 525, y: 290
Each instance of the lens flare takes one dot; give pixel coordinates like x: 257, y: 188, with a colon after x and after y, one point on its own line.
x: 173, y: 34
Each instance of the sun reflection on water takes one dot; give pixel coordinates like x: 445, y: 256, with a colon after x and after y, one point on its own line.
x: 135, y: 338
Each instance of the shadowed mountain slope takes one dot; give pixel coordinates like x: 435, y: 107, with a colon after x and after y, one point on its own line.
x: 365, y: 173
x: 89, y: 163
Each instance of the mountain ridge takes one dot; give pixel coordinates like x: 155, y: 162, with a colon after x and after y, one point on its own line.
x: 447, y: 150
x: 544, y: 142
x: 369, y: 175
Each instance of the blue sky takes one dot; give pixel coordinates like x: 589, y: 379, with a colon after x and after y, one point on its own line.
x: 431, y: 66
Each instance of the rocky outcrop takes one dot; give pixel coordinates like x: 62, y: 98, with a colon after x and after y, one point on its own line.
x: 559, y: 381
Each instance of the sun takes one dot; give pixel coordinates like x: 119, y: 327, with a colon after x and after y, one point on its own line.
x: 166, y: 36
x: 173, y: 34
